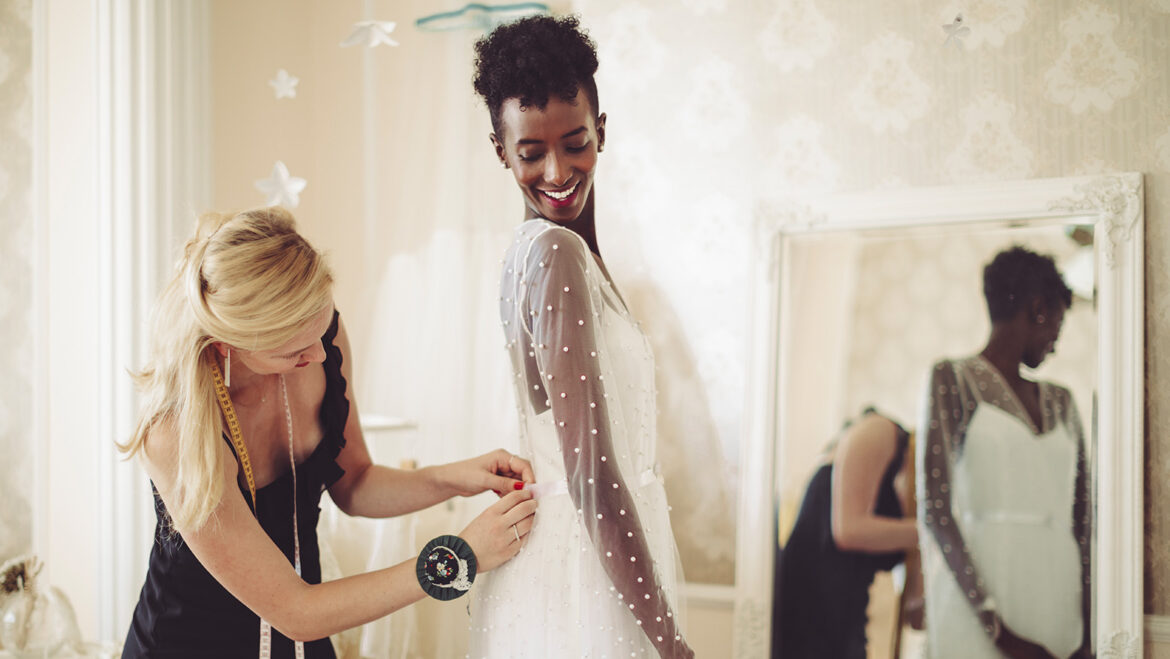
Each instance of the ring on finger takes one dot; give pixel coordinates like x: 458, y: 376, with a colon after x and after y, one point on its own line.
x: 516, y: 533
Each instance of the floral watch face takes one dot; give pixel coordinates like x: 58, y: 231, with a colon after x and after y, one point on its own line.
x: 446, y: 567
x: 441, y: 566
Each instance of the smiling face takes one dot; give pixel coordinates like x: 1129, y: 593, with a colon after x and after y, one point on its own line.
x: 552, y: 154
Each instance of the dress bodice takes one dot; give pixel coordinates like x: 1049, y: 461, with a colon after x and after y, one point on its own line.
x: 625, y: 365
x: 599, y: 568
x: 1003, y: 513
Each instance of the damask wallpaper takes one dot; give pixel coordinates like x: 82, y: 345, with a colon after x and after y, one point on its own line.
x: 16, y: 248
x: 830, y: 95
x: 920, y: 298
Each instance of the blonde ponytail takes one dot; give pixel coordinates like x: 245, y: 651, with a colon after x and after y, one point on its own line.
x: 248, y: 280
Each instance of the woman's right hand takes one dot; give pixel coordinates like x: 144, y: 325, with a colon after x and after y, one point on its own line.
x: 493, y: 534
x: 1020, y: 648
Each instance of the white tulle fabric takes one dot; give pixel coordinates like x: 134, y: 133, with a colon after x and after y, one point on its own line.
x: 1003, y: 514
x: 599, y: 575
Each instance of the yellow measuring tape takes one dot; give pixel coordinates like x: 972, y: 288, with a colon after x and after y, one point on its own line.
x: 229, y: 413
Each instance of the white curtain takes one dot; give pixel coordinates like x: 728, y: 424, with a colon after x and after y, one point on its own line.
x: 437, y: 226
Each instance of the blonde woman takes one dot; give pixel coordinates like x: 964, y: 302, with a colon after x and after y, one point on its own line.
x: 247, y: 419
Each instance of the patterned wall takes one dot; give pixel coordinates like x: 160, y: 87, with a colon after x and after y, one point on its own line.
x: 920, y: 298
x: 16, y: 250
x: 713, y: 104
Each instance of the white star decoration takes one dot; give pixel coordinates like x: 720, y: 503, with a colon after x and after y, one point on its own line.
x: 284, y: 84
x: 956, y: 31
x: 280, y: 188
x: 370, y: 34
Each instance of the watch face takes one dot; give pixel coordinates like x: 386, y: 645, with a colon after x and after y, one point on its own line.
x: 441, y: 566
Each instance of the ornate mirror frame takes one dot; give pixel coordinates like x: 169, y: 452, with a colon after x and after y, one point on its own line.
x: 1113, y: 204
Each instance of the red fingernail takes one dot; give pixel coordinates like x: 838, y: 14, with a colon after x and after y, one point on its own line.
x: 518, y: 485
x: 497, y: 492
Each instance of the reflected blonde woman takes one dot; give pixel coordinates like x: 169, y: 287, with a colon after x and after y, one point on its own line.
x: 248, y: 416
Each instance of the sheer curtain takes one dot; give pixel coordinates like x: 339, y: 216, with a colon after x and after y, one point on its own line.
x: 437, y: 222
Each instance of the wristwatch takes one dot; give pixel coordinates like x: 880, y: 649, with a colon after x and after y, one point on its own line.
x: 446, y: 567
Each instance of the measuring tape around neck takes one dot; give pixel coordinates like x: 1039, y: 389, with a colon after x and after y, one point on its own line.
x: 237, y: 435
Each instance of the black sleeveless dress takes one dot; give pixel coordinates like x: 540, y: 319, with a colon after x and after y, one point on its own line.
x: 821, y: 591
x: 184, y: 612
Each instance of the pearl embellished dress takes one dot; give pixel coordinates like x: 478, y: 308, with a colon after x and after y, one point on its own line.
x: 599, y: 574
x: 1003, y: 514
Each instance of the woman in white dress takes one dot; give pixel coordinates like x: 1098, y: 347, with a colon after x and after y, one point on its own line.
x: 598, y: 575
x: 1003, y: 492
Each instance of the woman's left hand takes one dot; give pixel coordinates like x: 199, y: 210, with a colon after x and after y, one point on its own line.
x: 498, y: 471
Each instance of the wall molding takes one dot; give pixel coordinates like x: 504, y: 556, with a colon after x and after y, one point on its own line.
x: 122, y: 161
x: 1157, y: 629
x: 710, y: 596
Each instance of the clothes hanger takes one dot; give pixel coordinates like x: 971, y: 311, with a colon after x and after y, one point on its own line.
x: 479, y: 16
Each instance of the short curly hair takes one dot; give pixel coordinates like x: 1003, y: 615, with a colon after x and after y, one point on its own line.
x: 532, y: 59
x: 1017, y: 275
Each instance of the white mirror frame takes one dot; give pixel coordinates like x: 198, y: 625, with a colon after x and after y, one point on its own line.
x: 1114, y: 205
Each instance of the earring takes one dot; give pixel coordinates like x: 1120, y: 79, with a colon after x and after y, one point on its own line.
x: 1040, y: 319
x: 227, y: 369
x: 504, y: 164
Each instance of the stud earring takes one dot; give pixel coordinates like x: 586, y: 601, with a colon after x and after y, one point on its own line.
x: 227, y: 369
x: 504, y: 164
x: 1040, y: 319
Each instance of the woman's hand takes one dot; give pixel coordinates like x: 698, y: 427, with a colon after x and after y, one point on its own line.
x: 499, y: 532
x: 498, y: 471
x: 1020, y: 648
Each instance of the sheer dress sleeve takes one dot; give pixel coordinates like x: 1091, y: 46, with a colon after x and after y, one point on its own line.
x: 948, y: 410
x: 1082, y: 508
x: 563, y: 322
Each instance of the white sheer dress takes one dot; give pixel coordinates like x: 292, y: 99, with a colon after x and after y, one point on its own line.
x: 1003, y: 514
x: 599, y: 574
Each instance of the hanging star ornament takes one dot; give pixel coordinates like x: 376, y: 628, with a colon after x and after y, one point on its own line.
x: 284, y: 84
x: 280, y: 188
x: 370, y: 34
x: 956, y: 31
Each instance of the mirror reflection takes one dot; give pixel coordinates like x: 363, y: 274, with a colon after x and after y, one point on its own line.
x: 935, y: 463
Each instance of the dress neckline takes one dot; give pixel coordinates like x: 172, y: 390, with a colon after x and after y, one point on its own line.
x: 1023, y: 415
x: 321, y: 463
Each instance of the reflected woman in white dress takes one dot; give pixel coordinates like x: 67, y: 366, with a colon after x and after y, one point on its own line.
x: 1003, y: 491
x: 598, y: 575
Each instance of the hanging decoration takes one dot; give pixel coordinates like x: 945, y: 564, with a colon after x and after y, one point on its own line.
x: 956, y: 30
x: 284, y: 84
x: 280, y: 188
x: 370, y: 34
x: 480, y: 17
